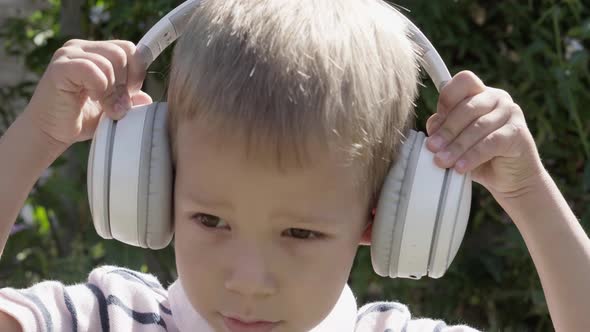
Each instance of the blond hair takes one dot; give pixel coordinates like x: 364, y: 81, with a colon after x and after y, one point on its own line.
x: 283, y: 73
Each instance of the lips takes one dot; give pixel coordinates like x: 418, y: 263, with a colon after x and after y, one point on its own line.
x: 237, y: 324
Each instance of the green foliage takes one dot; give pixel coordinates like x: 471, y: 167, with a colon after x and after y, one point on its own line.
x: 536, y: 50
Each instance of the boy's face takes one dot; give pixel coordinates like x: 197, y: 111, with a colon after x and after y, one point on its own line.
x: 260, y: 244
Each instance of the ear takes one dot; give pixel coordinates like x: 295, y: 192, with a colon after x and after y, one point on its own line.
x: 366, y: 237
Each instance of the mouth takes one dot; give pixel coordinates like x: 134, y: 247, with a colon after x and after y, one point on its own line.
x: 239, y: 324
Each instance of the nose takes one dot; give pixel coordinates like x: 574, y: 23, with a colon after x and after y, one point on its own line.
x: 250, y: 274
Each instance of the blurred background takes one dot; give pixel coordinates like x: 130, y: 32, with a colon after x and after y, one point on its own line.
x: 536, y: 50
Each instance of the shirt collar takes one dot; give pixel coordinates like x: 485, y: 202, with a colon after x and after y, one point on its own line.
x: 341, y: 318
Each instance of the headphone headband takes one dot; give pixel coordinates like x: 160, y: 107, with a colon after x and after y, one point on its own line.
x: 172, y: 26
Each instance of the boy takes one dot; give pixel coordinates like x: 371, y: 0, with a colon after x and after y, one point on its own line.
x: 284, y: 118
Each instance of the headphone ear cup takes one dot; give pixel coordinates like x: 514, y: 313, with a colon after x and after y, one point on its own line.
x: 421, y: 216
x: 130, y: 178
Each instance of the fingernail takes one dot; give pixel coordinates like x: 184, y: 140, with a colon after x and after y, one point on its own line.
x: 436, y: 142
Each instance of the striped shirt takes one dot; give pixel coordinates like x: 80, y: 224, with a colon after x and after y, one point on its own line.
x: 119, y: 299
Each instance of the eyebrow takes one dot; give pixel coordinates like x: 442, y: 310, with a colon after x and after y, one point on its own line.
x: 208, y: 202
x: 306, y: 218
x: 276, y: 214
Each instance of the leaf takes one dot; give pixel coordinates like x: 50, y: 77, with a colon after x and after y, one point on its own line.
x: 42, y: 219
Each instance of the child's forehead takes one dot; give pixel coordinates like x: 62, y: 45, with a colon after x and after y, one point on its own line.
x: 207, y: 157
x: 197, y: 137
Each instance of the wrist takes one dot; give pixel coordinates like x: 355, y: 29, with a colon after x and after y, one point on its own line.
x: 40, y: 146
x: 539, y: 199
x: 524, y: 182
x: 39, y: 137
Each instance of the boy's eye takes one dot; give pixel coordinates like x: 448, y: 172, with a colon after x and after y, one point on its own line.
x: 302, y: 234
x: 209, y: 221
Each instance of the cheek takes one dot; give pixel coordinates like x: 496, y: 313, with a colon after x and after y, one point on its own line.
x: 195, y: 255
x: 198, y: 271
x: 316, y: 284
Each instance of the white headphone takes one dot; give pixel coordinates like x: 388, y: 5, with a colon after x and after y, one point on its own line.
x: 421, y: 215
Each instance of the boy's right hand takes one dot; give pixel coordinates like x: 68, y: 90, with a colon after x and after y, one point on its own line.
x: 83, y: 80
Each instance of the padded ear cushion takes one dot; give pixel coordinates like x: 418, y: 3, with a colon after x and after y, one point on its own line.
x: 391, y: 209
x: 98, y: 177
x: 156, y: 185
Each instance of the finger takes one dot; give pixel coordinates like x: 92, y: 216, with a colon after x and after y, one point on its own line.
x: 141, y: 98
x: 460, y: 117
x: 486, y: 149
x: 475, y: 132
x: 101, y: 62
x: 82, y: 74
x: 433, y: 123
x: 135, y: 70
x: 117, y: 100
x: 463, y: 85
x: 135, y: 74
x: 115, y: 54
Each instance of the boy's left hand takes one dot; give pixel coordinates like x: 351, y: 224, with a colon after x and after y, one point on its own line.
x: 481, y: 130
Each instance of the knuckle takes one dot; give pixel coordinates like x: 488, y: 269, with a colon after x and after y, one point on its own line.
x: 465, y: 74
x: 126, y: 45
x: 446, y: 133
x: 63, y: 51
x: 514, y: 108
x: 480, y: 124
x: 503, y: 94
x: 470, y: 106
x: 489, y: 142
x: 445, y: 99
x: 59, y: 53
x: 458, y: 147
x: 518, y: 129
x: 468, y: 76
x: 72, y: 42
x: 119, y: 57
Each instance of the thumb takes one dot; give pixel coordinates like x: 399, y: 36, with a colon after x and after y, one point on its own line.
x: 141, y: 98
x: 118, y: 103
x: 125, y: 102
